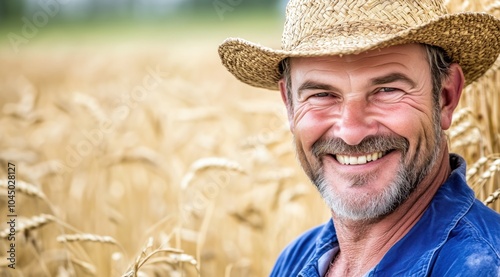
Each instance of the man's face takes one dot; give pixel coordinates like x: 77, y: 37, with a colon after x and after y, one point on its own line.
x: 365, y: 127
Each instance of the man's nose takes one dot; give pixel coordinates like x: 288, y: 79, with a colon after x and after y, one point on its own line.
x: 355, y: 122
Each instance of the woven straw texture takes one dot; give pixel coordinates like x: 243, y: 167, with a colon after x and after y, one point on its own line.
x: 318, y: 28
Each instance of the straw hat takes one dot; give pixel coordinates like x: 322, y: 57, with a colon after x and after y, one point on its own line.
x: 341, y: 27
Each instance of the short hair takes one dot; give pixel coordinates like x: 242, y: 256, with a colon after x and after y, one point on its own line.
x: 438, y: 59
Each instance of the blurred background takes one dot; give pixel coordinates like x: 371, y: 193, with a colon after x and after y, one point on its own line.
x: 138, y: 154
x: 136, y: 151
x: 133, y: 17
x: 84, y: 10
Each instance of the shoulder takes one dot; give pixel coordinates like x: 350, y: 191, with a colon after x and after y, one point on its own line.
x: 298, y: 253
x: 480, y: 224
x: 473, y: 246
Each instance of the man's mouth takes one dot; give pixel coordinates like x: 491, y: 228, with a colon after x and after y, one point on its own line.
x: 359, y: 159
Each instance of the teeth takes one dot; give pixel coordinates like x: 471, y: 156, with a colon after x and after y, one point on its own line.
x: 362, y: 159
x: 340, y: 159
x: 354, y: 160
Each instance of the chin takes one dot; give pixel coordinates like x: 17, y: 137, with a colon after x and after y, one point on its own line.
x: 361, y: 206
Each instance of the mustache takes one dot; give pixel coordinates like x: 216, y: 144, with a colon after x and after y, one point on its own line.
x: 369, y: 144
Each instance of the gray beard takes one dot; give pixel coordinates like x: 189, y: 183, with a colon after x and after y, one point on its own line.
x: 371, y: 207
x: 367, y: 207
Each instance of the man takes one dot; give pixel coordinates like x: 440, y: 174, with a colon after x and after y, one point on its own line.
x: 370, y: 86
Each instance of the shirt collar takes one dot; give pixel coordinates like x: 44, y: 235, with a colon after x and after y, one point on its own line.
x: 326, y: 248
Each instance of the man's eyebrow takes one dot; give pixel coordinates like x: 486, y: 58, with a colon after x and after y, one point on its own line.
x: 392, y: 77
x: 312, y: 85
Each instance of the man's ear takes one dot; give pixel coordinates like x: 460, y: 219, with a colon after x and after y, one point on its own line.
x: 451, y: 91
x: 288, y: 102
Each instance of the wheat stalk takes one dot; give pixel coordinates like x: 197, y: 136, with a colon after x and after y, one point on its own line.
x: 207, y: 163
x: 29, y: 190
x: 143, y: 153
x: 489, y: 172
x: 28, y: 224
x: 25, y: 188
x: 492, y: 198
x: 86, y: 237
x: 474, y: 169
x: 461, y: 114
x: 460, y: 129
x: 473, y: 138
x: 176, y: 255
x: 275, y: 175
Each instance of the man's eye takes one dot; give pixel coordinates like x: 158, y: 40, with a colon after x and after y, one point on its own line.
x: 321, y: 94
x: 388, y: 95
x: 388, y: 89
x: 323, y: 99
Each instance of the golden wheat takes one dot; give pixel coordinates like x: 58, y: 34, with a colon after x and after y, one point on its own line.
x: 174, y: 256
x: 86, y: 237
x: 492, y: 198
x: 26, y: 224
x: 474, y: 169
x: 25, y: 188
x: 207, y: 163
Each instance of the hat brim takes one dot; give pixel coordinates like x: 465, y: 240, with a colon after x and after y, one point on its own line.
x: 470, y: 39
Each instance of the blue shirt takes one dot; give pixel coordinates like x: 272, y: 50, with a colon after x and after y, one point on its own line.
x: 456, y: 236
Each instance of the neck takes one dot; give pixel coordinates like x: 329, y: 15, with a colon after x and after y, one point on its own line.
x: 363, y: 244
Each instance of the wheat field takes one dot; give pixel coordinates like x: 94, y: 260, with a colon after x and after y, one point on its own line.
x: 146, y: 158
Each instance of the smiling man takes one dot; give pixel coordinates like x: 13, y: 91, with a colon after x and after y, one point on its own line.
x: 370, y: 86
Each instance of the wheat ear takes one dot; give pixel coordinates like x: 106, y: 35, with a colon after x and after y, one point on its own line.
x: 28, y: 224
x: 206, y: 163
x: 492, y: 198
x: 176, y: 254
x: 25, y: 188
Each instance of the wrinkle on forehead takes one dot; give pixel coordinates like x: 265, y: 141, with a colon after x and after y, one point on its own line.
x: 406, y: 57
x: 397, y: 49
